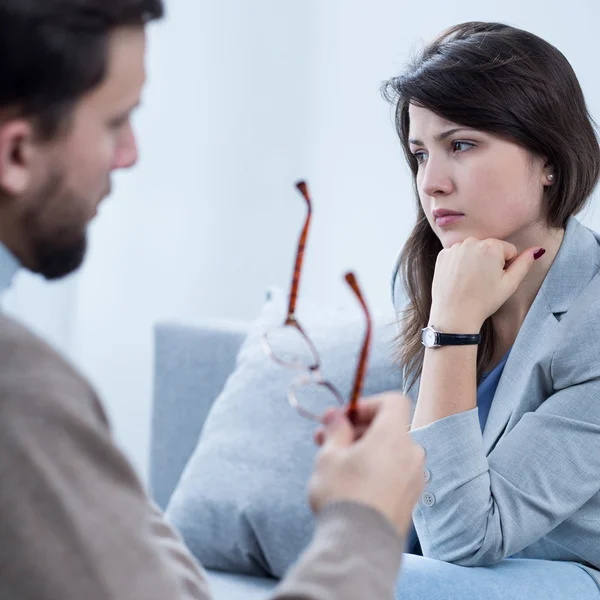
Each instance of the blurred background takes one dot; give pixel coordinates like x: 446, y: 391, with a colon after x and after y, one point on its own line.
x: 243, y: 99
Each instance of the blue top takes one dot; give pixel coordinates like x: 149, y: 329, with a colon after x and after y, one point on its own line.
x: 9, y: 266
x: 487, y: 389
x: 485, y: 395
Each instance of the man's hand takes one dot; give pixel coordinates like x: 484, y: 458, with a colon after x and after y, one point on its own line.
x: 374, y: 462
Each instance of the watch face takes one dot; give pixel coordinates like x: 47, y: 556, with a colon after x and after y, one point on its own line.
x: 429, y: 337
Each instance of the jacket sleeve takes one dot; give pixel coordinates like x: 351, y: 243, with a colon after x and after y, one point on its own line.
x: 355, y: 554
x: 478, y: 509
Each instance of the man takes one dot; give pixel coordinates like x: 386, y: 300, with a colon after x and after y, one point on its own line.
x: 75, y: 522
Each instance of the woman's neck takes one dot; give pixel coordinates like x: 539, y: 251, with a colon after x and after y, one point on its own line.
x: 509, y: 318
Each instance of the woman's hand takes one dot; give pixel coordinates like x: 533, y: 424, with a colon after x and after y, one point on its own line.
x: 473, y: 279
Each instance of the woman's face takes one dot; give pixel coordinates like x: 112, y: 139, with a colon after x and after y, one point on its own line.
x: 474, y: 184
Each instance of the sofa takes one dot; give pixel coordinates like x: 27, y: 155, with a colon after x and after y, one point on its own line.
x: 230, y: 459
x: 191, y: 366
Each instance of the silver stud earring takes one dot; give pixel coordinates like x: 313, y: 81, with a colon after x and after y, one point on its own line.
x: 551, y: 177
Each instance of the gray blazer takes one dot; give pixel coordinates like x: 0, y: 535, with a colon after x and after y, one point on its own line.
x: 529, y: 487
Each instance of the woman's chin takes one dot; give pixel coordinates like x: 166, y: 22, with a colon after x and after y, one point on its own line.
x: 451, y: 238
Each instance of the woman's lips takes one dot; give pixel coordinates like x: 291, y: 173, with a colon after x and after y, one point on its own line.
x: 446, y: 220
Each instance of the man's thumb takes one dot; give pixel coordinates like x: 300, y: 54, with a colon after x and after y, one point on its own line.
x: 338, y: 429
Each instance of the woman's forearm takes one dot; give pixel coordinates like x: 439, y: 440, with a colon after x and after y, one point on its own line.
x: 449, y: 375
x: 448, y: 384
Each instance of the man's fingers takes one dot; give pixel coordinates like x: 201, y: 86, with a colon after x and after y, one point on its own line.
x: 360, y: 431
x: 338, y: 431
x: 319, y: 436
x: 368, y: 408
x: 394, y: 408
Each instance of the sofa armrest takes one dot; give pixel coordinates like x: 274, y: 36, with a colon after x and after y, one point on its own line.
x: 191, y: 366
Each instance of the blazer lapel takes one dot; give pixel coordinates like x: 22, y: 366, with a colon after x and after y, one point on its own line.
x: 576, y: 263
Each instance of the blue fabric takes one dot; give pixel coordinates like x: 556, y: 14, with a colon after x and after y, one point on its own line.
x: 487, y: 389
x: 516, y: 579
x: 232, y: 586
x: 9, y: 266
x: 485, y: 395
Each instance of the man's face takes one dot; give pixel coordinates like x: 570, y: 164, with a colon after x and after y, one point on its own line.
x: 69, y: 177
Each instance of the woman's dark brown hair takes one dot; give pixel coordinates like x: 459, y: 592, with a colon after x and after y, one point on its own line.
x: 507, y: 82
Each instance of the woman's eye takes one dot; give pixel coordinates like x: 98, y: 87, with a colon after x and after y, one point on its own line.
x: 461, y: 146
x: 420, y: 156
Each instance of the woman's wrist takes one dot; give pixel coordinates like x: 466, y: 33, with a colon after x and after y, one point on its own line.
x: 449, y: 322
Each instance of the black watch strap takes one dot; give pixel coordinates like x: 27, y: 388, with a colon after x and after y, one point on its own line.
x: 458, y: 339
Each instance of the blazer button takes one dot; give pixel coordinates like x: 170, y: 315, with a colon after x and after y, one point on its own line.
x: 426, y: 476
x: 428, y: 499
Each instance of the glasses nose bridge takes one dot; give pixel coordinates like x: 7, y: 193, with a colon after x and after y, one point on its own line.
x: 315, y: 367
x: 305, y: 410
x: 307, y: 361
x: 315, y: 372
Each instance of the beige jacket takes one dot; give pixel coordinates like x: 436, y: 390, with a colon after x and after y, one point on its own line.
x: 75, y: 522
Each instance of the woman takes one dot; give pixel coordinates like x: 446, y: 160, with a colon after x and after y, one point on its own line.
x: 503, y: 151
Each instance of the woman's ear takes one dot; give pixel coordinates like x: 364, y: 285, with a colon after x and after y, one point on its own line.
x: 548, y: 175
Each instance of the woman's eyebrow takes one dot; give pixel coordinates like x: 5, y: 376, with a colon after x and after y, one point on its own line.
x: 440, y: 137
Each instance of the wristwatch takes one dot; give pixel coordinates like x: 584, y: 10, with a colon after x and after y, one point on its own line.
x: 432, y: 338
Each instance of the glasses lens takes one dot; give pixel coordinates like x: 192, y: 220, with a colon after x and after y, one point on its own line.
x: 290, y: 348
x: 314, y: 399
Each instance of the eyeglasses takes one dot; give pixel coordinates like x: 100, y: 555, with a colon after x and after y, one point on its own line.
x: 290, y: 346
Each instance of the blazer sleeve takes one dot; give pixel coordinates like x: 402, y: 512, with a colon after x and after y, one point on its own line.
x: 538, y: 475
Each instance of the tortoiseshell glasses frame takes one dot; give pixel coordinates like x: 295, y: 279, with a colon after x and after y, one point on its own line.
x: 312, y: 370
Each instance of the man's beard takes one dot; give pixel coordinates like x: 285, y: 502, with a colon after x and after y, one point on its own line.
x: 56, y: 230
x: 56, y: 260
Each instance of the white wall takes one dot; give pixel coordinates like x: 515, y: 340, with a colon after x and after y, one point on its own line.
x: 47, y: 308
x: 243, y: 99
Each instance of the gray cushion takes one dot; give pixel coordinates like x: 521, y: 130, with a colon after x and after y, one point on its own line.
x: 191, y: 367
x: 241, y: 502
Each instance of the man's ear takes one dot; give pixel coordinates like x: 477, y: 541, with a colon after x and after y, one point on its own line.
x: 17, y: 152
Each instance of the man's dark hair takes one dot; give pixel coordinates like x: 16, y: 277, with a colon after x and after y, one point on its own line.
x: 52, y: 52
